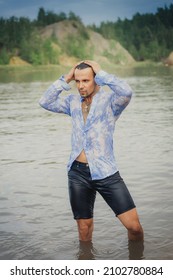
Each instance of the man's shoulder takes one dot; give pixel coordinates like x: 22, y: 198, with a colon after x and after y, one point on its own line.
x: 105, y: 93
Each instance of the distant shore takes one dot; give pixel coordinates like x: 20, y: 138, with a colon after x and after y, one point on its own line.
x: 58, y: 66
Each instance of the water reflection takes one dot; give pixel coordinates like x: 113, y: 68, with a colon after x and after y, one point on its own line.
x: 30, y: 74
x: 88, y: 252
x: 136, y: 250
x: 50, y: 73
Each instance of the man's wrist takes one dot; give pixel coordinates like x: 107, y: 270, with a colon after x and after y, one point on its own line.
x: 62, y: 83
x: 66, y: 79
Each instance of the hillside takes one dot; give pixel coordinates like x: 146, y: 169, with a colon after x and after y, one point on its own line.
x: 65, y: 43
x: 74, y: 42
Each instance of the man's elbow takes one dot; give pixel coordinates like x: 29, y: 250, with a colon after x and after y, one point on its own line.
x: 42, y: 103
x: 126, y: 90
x: 128, y: 96
x: 129, y: 91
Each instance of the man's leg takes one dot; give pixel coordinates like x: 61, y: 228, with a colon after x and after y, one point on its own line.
x: 85, y: 229
x: 131, y: 221
x: 82, y: 198
x: 117, y: 196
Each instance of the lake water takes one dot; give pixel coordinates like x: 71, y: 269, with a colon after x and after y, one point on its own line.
x: 35, y: 216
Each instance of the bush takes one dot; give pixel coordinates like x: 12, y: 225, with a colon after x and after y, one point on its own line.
x: 4, y: 57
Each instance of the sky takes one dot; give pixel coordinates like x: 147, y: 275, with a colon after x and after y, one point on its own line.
x: 90, y: 11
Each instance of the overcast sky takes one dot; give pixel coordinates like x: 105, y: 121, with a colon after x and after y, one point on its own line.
x: 90, y: 11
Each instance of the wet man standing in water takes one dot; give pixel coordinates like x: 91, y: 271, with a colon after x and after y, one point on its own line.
x: 92, y: 167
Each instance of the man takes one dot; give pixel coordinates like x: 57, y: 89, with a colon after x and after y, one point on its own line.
x: 92, y: 167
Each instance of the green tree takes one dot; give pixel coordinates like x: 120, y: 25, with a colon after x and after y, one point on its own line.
x: 4, y: 56
x: 41, y: 17
x: 73, y: 16
x: 51, y: 54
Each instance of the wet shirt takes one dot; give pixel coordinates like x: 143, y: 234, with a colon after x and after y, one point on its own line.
x: 95, y: 136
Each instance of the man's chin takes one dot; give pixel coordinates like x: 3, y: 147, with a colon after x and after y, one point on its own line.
x: 83, y: 94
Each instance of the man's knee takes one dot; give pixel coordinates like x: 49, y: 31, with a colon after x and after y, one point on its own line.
x: 135, y: 228
x: 131, y: 221
x: 135, y: 231
x: 85, y: 228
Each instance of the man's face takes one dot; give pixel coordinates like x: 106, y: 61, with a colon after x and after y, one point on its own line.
x: 85, y: 81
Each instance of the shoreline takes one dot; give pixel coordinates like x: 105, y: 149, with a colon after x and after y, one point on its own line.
x: 134, y: 64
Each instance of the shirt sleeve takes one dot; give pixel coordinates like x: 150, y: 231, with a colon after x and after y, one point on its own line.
x: 121, y: 91
x: 53, y: 101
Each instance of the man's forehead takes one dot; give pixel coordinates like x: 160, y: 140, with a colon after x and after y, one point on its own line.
x: 83, y: 73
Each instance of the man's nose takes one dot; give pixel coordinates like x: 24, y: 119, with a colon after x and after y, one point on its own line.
x: 81, y: 85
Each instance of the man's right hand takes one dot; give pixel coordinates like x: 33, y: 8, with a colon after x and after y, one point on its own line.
x: 70, y: 76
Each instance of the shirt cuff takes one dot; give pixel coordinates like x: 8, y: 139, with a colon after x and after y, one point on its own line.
x: 62, y: 83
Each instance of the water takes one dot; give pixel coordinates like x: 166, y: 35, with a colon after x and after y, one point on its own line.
x: 35, y: 215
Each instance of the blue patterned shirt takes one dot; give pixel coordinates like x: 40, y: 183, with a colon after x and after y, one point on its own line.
x: 95, y: 136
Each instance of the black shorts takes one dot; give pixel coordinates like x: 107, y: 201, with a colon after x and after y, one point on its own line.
x: 82, y: 192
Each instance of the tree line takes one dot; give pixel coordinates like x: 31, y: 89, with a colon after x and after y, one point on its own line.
x: 145, y: 36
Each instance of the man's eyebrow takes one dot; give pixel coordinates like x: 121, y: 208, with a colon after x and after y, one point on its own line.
x: 76, y: 80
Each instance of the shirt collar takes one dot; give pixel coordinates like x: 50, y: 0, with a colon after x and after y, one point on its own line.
x: 82, y: 99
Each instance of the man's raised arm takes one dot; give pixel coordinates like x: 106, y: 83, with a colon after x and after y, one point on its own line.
x: 51, y: 99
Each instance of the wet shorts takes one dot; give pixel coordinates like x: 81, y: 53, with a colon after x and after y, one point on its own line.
x: 82, y: 192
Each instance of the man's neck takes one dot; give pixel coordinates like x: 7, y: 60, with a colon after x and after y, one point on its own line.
x: 88, y: 99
